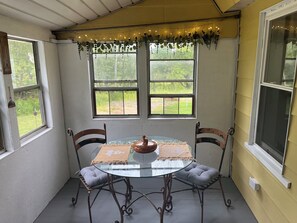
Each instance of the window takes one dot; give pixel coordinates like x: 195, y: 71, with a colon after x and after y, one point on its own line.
x: 115, y: 84
x: 172, y: 81
x: 26, y: 86
x: 276, y: 86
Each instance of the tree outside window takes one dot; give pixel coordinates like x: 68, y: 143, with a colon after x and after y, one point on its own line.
x: 26, y: 86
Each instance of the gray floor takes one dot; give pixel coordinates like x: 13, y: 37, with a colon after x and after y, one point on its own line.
x: 186, y: 206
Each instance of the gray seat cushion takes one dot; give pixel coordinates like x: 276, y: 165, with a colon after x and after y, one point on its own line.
x: 198, y: 174
x: 93, y: 176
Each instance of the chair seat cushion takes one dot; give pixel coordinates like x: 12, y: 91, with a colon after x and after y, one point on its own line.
x: 93, y: 176
x: 198, y: 174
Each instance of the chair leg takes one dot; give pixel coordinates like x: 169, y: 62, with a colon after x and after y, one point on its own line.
x: 74, y: 200
x: 228, y: 201
x: 202, y: 203
x: 89, y: 206
x: 201, y: 199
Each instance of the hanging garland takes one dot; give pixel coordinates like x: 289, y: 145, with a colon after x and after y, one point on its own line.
x: 207, y: 38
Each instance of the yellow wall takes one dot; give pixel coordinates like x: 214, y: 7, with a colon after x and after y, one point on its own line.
x: 171, y: 16
x: 226, y: 4
x: 273, y: 203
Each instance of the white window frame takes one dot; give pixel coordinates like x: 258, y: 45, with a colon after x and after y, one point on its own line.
x: 11, y: 137
x: 3, y: 149
x: 38, y: 86
x: 193, y: 95
x: 123, y: 89
x: 276, y: 11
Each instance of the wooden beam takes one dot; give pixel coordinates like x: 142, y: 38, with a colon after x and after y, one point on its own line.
x: 4, y: 53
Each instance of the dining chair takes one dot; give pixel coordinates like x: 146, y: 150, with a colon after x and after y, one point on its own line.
x: 199, y: 176
x: 91, y: 178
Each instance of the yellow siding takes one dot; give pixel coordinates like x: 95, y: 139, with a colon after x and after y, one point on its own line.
x: 293, y: 177
x: 243, y: 104
x: 245, y: 87
x: 273, y: 195
x: 244, y: 71
x: 273, y: 203
x: 240, y: 135
x: 242, y: 120
x: 262, y: 204
x: 293, y: 126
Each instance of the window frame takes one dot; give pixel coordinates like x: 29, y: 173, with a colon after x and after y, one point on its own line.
x: 266, y: 16
x: 3, y: 150
x: 123, y: 89
x: 194, y: 81
x: 38, y: 85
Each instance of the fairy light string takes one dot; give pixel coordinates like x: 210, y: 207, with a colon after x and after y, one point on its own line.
x: 165, y: 38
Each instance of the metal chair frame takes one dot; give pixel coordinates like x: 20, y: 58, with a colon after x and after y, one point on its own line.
x: 212, y: 138
x: 81, y: 139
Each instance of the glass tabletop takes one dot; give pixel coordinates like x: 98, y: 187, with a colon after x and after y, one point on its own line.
x: 145, y: 164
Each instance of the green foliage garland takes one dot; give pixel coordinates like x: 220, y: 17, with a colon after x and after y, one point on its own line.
x: 205, y: 37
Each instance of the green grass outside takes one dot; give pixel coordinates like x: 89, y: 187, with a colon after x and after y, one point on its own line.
x: 184, y: 109
x: 28, y: 123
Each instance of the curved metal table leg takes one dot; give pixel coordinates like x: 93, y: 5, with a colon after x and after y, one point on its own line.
x: 126, y: 208
x: 167, y: 198
x: 113, y: 192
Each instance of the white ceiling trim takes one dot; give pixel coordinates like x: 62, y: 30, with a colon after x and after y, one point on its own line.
x: 59, y: 14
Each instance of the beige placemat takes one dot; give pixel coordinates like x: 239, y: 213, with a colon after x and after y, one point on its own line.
x: 174, y: 152
x: 112, y: 154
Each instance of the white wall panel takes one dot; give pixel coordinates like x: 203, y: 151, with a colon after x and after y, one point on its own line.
x: 33, y: 174
x: 215, y: 100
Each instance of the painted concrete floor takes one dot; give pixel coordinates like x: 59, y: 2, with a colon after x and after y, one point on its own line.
x: 186, y: 206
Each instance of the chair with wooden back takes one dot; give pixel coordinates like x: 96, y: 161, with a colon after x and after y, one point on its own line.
x: 90, y: 178
x: 199, y: 176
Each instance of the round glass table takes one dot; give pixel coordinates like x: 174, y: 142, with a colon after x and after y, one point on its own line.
x: 139, y: 165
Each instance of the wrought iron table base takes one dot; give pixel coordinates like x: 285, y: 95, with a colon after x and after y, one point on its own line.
x: 126, y: 208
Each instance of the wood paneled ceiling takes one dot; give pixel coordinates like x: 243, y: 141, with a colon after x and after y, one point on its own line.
x: 59, y: 14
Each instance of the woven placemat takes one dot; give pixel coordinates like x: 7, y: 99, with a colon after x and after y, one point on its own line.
x: 174, y: 151
x: 112, y: 154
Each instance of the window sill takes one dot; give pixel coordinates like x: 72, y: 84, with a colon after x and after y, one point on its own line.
x: 34, y: 136
x: 171, y: 118
x: 271, y: 164
x: 114, y: 118
x: 5, y: 154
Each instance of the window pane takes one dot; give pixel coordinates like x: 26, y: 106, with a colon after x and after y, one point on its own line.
x: 171, y: 88
x: 22, y: 63
x: 115, y: 82
x: 273, y: 121
x: 171, y: 106
x: 28, y: 110
x: 172, y: 70
x: 130, y: 105
x: 114, y: 66
x: 281, y: 51
x: 185, y: 106
x: 102, y: 102
x: 170, y: 52
x: 116, y: 103
x: 157, y: 106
